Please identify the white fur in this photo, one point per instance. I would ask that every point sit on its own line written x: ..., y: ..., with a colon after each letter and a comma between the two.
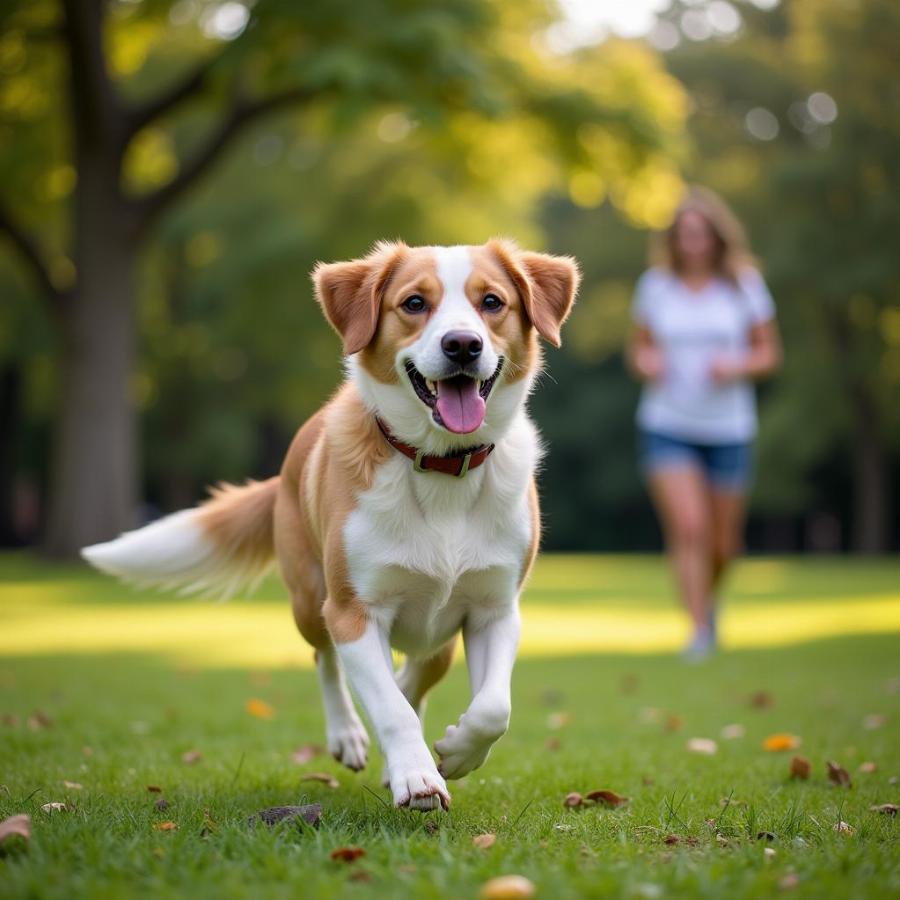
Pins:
x: 173, y: 553
x: 431, y: 554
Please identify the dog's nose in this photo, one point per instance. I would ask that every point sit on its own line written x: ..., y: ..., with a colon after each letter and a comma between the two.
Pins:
x: 461, y: 346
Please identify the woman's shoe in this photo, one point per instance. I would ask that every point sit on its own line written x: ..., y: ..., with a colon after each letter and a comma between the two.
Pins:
x: 700, y: 647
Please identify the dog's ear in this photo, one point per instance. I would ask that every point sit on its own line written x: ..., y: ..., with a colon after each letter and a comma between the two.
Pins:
x: 350, y: 293
x: 547, y: 285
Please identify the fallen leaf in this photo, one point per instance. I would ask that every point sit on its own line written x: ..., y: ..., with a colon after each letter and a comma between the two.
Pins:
x: 702, y: 745
x: 73, y: 785
x: 732, y: 732
x: 610, y: 798
x: 304, y: 754
x: 311, y: 813
x: 15, y: 826
x: 11, y: 720
x: 259, y: 708
x: 873, y: 721
x: 673, y: 839
x: 191, y: 757
x: 838, y: 775
x: 867, y: 768
x: 322, y: 777
x: 775, y: 743
x: 484, y: 841
x: 38, y: 721
x: 552, y: 744
x: 843, y: 828
x: 166, y: 826
x: 347, y: 854
x: 762, y: 700
x: 54, y: 806
x: 558, y: 720
x: 507, y: 887
x: 154, y: 788
x: 886, y: 809
x: 573, y: 799
x: 161, y: 804
x: 360, y: 875
x: 800, y: 768
x: 789, y: 882
x: 673, y: 722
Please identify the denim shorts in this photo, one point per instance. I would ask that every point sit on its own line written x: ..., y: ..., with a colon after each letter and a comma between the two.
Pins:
x: 728, y: 467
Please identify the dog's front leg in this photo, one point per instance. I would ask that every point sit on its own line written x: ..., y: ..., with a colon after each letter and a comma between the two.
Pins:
x: 490, y: 653
x: 414, y: 778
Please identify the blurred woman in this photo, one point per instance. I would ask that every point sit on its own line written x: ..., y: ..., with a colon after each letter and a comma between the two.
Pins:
x: 705, y: 330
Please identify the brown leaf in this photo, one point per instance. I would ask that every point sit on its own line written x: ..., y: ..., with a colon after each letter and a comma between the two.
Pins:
x: 55, y: 806
x: 800, y: 768
x: 868, y: 767
x: 609, y: 798
x: 11, y: 720
x: 38, y: 721
x: 484, y: 841
x: 762, y: 700
x: 322, y: 777
x: 672, y: 839
x: 191, y: 757
x: 838, y: 775
x: 15, y: 826
x: 360, y: 875
x: 347, y: 854
x: 886, y: 809
x: 507, y: 887
x: 302, y: 755
x: 673, y: 722
x: 259, y: 708
x: 311, y: 813
x: 574, y: 799
x: 154, y: 788
x: 166, y: 826
x: 552, y: 744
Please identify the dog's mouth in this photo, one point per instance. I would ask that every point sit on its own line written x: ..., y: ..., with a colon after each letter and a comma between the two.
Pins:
x: 458, y: 403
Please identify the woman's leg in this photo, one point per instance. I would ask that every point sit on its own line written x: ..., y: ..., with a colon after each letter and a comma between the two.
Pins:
x: 727, y: 506
x: 681, y: 496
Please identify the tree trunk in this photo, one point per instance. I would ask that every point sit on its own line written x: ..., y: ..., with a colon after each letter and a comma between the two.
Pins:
x: 871, y: 488
x: 10, y: 424
x: 94, y: 468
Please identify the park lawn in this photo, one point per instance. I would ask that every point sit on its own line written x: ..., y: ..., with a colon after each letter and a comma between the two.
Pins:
x: 118, y: 685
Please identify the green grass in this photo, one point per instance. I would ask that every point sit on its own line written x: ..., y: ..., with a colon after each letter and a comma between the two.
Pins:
x: 131, y: 681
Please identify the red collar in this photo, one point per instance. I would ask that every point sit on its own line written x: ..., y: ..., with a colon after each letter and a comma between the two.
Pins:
x: 457, y: 465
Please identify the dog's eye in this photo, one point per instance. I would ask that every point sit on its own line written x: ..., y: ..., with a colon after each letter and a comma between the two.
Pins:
x: 491, y: 303
x: 415, y: 304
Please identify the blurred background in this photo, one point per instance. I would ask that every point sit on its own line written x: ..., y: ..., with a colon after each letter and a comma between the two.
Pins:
x: 171, y: 171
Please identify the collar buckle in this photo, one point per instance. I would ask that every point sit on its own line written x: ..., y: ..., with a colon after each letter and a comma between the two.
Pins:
x: 464, y: 468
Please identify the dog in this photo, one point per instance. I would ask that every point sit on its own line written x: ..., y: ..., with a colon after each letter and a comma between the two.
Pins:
x: 406, y: 510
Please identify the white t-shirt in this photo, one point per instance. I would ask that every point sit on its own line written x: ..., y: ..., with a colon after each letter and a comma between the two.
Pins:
x: 692, y: 328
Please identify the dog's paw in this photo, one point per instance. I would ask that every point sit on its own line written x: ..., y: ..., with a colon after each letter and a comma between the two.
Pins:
x: 421, y: 789
x: 349, y: 745
x: 466, y: 746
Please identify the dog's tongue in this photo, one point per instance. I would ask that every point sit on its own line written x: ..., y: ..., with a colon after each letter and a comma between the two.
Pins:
x: 460, y: 405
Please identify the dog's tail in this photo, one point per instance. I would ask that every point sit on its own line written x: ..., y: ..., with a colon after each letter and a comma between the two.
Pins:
x: 222, y: 546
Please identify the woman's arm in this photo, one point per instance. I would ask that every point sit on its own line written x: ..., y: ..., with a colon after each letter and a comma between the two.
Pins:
x: 643, y: 357
x: 762, y: 359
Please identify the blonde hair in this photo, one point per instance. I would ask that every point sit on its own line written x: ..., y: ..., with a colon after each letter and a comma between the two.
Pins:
x: 731, y: 255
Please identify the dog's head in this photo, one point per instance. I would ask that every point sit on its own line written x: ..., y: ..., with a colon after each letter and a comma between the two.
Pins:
x: 443, y: 341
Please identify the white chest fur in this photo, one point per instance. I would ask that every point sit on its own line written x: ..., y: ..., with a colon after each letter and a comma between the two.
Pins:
x: 427, y: 550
